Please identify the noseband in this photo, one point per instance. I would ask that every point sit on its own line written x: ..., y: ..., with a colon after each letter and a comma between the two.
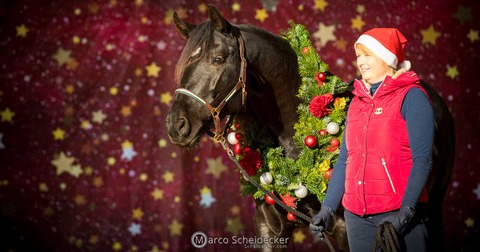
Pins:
x: 215, y: 111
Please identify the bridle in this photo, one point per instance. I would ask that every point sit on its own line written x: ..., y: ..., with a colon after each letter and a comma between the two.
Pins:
x: 220, y: 130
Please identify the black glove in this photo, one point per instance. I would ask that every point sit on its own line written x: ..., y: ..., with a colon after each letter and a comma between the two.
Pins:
x: 400, y: 219
x: 320, y: 221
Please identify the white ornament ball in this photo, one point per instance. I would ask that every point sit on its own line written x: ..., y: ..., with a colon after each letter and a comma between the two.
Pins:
x: 301, y: 192
x: 332, y: 128
x: 232, y: 139
x: 266, y: 178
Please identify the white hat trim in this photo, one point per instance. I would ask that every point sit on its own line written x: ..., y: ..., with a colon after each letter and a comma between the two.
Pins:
x: 376, y: 47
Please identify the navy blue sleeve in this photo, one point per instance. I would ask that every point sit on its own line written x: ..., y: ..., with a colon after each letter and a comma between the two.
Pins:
x: 418, y: 114
x: 336, y: 186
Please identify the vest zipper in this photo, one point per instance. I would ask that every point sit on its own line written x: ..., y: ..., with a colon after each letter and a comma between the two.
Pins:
x: 384, y: 163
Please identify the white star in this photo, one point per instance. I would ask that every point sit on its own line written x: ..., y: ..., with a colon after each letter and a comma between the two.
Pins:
x: 161, y: 45
x: 134, y: 229
x: 207, y: 200
x: 477, y: 191
x: 128, y: 153
x: 325, y: 34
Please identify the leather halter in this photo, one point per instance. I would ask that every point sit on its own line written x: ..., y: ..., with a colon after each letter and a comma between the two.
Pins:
x: 215, y: 111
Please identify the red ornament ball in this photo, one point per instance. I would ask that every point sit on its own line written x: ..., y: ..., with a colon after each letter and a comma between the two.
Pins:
x: 238, y: 136
x: 237, y: 149
x: 237, y: 126
x: 321, y: 76
x: 334, y: 142
x: 311, y: 141
x: 305, y: 50
x: 323, y: 132
x: 328, y: 174
x: 291, y: 216
x: 269, y: 200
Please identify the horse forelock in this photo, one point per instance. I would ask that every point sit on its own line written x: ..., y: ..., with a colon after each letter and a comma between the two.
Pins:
x: 199, y: 42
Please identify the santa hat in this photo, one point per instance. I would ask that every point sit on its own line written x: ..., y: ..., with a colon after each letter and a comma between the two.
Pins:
x: 388, y: 44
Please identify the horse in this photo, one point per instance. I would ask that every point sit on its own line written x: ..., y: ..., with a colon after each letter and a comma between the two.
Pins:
x: 244, y: 71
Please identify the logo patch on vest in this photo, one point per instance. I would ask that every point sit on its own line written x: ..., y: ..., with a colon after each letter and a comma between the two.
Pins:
x: 378, y: 111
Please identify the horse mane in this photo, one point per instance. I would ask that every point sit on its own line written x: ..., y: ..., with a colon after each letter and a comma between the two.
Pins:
x: 201, y: 36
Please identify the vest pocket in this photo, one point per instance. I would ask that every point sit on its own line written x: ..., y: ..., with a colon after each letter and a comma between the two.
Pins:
x: 384, y: 163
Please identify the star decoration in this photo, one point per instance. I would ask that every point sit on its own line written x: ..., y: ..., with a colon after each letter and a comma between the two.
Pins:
x: 97, y: 181
x: 360, y: 8
x: 430, y: 35
x: 175, y: 228
x: 469, y: 222
x: 58, y: 134
x: 62, y: 56
x: 235, y: 210
x: 63, y: 163
x: 341, y: 44
x: 298, y: 236
x: 98, y: 116
x: 113, y: 90
x: 235, y: 7
x: 215, y: 167
x: 137, y: 213
x: 2, y: 146
x: 320, y: 4
x: 152, y: 70
x: 325, y: 34
x: 42, y: 187
x: 203, y: 7
x: 86, y: 125
x: 22, y: 31
x: 162, y: 143
x: 128, y: 153
x: 76, y: 170
x: 261, y: 15
x: 7, y: 115
x: 134, y: 229
x: 207, y: 200
x: 157, y: 194
x: 477, y: 191
x: 126, y: 111
x: 166, y: 98
x: 472, y: 35
x: 168, y: 177
x: 117, y: 246
x: 357, y: 23
x: 80, y: 200
x: 463, y: 14
x: 234, y: 225
x: 452, y: 72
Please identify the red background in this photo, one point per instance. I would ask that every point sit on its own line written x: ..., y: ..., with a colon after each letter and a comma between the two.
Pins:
x: 65, y: 65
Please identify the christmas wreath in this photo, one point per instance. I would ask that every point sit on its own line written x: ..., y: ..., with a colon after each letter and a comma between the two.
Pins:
x: 318, y: 133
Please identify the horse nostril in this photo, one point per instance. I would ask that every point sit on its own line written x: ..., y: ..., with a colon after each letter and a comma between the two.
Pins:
x: 183, y: 126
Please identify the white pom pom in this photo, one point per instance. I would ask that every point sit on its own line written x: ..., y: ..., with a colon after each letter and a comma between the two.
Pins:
x: 266, y: 178
x: 406, y: 64
x: 332, y: 128
x: 231, y: 138
x: 301, y: 192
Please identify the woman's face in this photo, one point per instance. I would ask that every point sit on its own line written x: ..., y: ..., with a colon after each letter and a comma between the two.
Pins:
x: 372, y: 68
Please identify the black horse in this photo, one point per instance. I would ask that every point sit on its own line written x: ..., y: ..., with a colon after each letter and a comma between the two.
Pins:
x: 221, y: 63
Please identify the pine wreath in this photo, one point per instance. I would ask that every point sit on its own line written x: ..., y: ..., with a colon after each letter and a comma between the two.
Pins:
x: 318, y: 132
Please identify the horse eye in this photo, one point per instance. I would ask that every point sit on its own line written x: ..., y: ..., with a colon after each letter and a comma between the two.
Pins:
x: 218, y: 60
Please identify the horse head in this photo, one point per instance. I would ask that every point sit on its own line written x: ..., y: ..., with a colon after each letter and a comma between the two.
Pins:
x: 210, y: 74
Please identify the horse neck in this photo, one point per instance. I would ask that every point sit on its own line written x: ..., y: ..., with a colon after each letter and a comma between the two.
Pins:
x: 272, y: 84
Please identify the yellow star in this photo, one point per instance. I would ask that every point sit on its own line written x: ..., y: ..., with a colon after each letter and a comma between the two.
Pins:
x: 261, y: 15
x: 452, y: 72
x: 155, y: 249
x: 22, y: 31
x: 80, y: 199
x: 113, y: 91
x: 42, y: 187
x: 166, y: 98
x: 215, y: 167
x: 357, y: 23
x: 72, y: 64
x: 168, y: 17
x: 76, y: 39
x: 205, y: 190
x: 58, y: 134
x: 320, y: 5
x: 469, y: 222
x: 126, y: 144
x: 153, y: 69
x: 325, y: 34
x: 97, y: 181
x: 162, y: 143
x: 93, y: 239
x: 234, y: 225
x: 360, y: 8
x: 430, y: 35
x: 111, y: 161
x: 93, y: 8
x: 88, y: 170
x: 157, y: 194
x: 137, y: 213
x: 143, y: 177
x: 86, y: 125
x: 63, y: 163
x: 473, y: 35
x: 76, y: 170
x: 168, y: 177
x: 175, y: 228
x: 62, y: 56
x: 235, y: 7
x: 298, y: 236
x: 341, y: 44
x: 235, y: 210
x: 203, y: 7
x: 117, y: 246
x: 126, y: 111
x: 98, y: 116
x: 7, y: 115
x: 70, y: 89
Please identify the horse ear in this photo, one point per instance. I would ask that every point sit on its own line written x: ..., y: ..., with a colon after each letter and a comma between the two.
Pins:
x: 184, y: 28
x: 221, y: 24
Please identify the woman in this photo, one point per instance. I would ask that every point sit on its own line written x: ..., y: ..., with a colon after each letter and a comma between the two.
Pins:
x: 386, y: 152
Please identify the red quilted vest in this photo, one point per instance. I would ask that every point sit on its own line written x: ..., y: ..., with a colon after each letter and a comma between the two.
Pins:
x: 379, y: 156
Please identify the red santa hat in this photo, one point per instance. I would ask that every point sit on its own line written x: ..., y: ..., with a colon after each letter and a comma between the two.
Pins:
x: 388, y: 44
